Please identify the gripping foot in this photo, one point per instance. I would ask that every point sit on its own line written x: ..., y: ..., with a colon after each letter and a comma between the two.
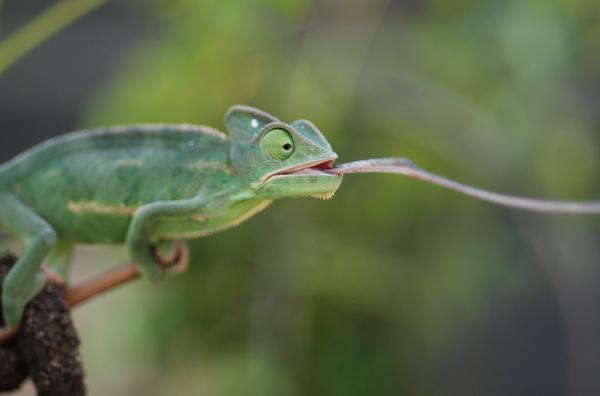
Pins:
x: 177, y: 261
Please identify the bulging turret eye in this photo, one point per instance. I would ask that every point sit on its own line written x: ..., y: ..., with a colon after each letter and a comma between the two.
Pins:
x: 277, y: 144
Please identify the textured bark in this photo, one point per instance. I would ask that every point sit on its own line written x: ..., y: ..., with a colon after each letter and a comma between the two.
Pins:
x: 45, y: 348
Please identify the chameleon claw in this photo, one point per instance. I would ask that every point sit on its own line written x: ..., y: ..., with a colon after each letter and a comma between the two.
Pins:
x: 182, y: 254
x: 177, y: 262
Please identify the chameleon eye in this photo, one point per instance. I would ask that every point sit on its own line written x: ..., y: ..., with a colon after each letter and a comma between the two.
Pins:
x: 277, y: 144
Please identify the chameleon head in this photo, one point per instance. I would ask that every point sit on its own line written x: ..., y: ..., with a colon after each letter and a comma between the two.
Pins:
x: 280, y: 160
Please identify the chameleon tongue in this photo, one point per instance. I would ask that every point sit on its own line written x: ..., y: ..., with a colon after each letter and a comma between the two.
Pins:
x: 406, y: 167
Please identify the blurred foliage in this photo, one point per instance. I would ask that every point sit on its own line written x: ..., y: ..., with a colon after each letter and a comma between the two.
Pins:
x: 370, y: 293
x: 41, y: 28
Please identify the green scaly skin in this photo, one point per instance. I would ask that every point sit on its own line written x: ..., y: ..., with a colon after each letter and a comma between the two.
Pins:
x: 143, y: 184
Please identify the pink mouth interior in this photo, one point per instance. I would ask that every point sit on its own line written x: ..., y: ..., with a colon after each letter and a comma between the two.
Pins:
x: 325, y: 165
x: 317, y: 168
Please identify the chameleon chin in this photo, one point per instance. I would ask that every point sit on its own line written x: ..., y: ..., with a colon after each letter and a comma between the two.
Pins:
x: 142, y: 185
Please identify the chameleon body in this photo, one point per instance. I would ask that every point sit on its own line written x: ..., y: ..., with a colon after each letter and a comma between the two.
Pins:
x: 143, y: 184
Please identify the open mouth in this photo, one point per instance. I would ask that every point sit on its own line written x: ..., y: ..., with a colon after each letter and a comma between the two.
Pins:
x: 311, y: 168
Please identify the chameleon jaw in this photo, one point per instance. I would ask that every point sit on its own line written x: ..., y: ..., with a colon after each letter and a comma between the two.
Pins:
x: 307, y: 180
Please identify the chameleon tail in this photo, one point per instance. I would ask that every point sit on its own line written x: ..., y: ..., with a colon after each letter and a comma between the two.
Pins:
x: 406, y: 167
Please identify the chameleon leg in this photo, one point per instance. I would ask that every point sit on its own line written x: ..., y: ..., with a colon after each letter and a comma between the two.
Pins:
x: 141, y: 248
x: 59, y: 260
x: 24, y: 280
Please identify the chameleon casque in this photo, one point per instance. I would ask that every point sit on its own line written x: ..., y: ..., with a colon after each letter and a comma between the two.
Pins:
x: 145, y: 184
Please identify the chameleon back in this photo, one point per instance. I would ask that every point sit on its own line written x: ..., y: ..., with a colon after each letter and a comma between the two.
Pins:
x: 88, y: 184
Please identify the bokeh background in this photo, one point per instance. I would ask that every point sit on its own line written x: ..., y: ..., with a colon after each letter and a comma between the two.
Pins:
x: 393, y: 287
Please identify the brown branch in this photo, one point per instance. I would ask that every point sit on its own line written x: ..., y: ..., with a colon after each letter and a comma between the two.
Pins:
x: 109, y: 280
x: 100, y: 283
x: 87, y: 289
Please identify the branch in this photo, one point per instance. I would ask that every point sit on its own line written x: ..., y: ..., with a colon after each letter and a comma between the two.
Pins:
x: 106, y: 281
x: 110, y: 280
x: 87, y: 289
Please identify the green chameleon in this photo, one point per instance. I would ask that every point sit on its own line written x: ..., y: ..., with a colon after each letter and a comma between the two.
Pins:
x: 143, y: 185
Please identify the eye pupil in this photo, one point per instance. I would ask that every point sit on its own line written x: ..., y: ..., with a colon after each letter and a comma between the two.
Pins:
x: 277, y: 144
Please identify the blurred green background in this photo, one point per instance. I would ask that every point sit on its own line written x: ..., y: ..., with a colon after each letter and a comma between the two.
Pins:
x: 393, y: 287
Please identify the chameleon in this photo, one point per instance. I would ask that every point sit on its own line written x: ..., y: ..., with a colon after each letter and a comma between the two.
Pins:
x: 145, y: 185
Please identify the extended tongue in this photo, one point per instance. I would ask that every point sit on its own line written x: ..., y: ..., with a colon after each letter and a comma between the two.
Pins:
x: 406, y: 167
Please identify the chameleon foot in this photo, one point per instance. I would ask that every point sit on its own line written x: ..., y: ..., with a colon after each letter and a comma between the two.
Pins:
x: 177, y: 261
x: 14, y: 301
